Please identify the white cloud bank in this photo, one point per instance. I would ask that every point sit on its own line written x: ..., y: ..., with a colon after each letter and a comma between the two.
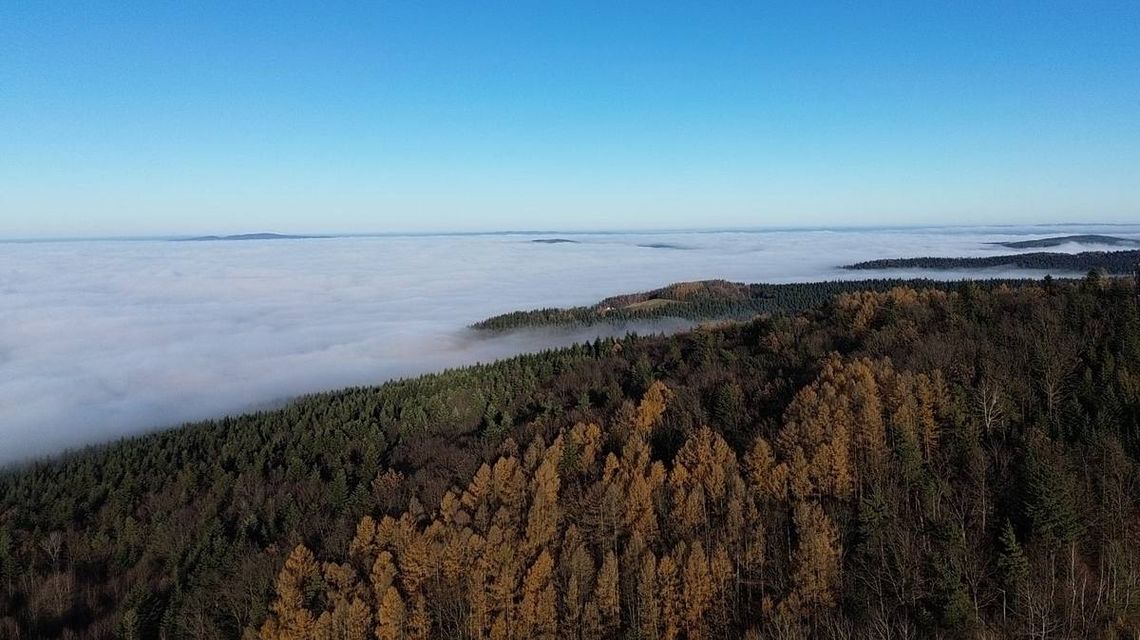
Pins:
x: 107, y: 338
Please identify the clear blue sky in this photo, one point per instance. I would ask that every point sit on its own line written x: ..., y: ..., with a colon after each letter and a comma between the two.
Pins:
x: 186, y: 117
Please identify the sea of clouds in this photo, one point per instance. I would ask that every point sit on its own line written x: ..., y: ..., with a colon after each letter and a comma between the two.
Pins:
x: 101, y: 339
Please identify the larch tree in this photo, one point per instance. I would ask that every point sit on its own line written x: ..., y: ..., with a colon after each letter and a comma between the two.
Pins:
x: 347, y: 621
x: 607, y: 594
x: 543, y: 518
x: 815, y: 574
x: 697, y: 590
x: 571, y: 627
x: 672, y: 609
x: 419, y: 619
x: 537, y: 612
x: 652, y: 407
x: 415, y: 563
x: 391, y: 616
x: 291, y: 619
x: 648, y: 610
x: 383, y: 575
x: 363, y: 548
x: 722, y: 571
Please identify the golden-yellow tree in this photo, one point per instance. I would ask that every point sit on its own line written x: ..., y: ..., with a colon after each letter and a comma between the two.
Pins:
x: 537, y: 612
x: 289, y: 618
x: 391, y: 616
x: 648, y: 610
x: 607, y: 595
x: 669, y: 589
x: 816, y: 570
x: 697, y: 591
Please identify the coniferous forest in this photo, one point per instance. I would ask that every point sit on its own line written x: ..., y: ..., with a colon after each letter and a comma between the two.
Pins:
x: 1114, y: 262
x: 897, y: 463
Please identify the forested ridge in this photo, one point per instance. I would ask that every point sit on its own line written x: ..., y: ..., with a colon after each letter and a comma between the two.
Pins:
x: 705, y: 300
x: 1055, y: 241
x: 898, y: 463
x: 1112, y: 262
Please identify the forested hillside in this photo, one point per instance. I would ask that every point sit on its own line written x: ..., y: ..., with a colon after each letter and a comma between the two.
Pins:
x: 901, y: 463
x: 705, y: 300
x: 1112, y: 262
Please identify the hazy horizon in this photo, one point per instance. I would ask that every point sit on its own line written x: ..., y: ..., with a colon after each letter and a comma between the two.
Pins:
x: 1038, y: 228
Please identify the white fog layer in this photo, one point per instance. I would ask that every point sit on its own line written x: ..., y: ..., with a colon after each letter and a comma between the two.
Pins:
x: 100, y: 339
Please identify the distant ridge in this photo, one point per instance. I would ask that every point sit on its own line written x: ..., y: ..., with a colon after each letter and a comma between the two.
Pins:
x: 661, y: 245
x: 554, y: 241
x: 1113, y: 262
x: 1057, y: 241
x: 248, y: 236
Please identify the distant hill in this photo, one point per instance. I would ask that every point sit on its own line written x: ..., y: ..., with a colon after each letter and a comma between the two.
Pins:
x: 1113, y: 262
x: 248, y: 236
x: 661, y: 245
x: 1042, y: 243
x: 554, y: 241
x: 703, y: 301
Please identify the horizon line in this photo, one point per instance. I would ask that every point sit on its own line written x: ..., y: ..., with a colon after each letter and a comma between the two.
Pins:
x: 506, y: 232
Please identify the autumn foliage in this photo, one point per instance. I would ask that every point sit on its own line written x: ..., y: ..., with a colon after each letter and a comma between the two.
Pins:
x: 611, y: 541
x: 954, y: 462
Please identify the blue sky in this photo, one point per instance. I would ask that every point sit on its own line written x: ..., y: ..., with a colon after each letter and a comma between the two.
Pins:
x: 177, y: 117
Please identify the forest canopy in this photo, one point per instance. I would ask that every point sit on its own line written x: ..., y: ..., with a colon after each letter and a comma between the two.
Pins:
x: 909, y: 462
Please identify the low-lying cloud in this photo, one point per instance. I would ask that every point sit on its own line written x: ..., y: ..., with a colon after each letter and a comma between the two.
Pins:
x: 102, y: 339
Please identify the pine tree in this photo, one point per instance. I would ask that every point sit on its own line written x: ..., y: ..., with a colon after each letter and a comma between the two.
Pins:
x: 728, y: 406
x: 1012, y: 565
x: 1050, y: 503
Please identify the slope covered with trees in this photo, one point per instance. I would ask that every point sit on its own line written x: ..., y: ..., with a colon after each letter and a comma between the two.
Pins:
x: 1112, y: 262
x: 901, y: 463
x: 704, y: 300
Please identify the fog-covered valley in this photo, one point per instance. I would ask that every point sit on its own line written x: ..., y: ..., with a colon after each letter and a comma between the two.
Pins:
x: 100, y: 339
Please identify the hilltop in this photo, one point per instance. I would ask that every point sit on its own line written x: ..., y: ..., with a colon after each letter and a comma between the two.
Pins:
x: 1057, y: 241
x: 700, y: 301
